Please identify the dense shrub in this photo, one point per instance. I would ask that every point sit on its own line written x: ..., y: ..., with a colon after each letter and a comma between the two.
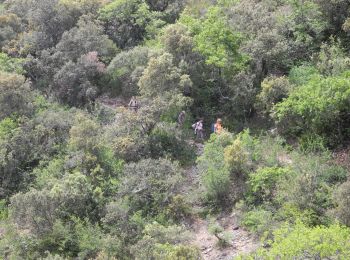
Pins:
x: 160, y: 242
x: 101, y: 181
x: 235, y: 157
x: 38, y: 210
x: 225, y: 164
x: 178, y: 252
x: 33, y: 141
x: 318, y: 107
x: 163, y: 142
x: 16, y: 96
x: 149, y: 185
x: 273, y: 91
x: 310, y: 185
x: 215, y: 173
x: 11, y: 65
x: 342, y: 202
x: 301, y: 75
x: 332, y: 59
x: 258, y: 220
x: 262, y: 183
x: 303, y: 242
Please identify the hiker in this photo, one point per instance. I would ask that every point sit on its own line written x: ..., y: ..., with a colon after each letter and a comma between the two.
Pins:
x: 198, y: 129
x: 181, y: 119
x: 133, y: 104
x: 218, y: 126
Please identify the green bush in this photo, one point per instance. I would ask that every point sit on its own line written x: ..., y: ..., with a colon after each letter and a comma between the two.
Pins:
x: 341, y: 200
x: 3, y: 210
x: 178, y: 209
x: 13, y: 65
x: 163, y: 142
x: 263, y: 182
x: 291, y: 213
x: 302, y: 242
x: 333, y: 59
x: 178, y: 252
x: 225, y: 164
x: 150, y: 185
x: 273, y: 91
x: 215, y: 175
x: 258, y: 220
x: 310, y: 185
x: 7, y: 125
x: 236, y: 157
x: 301, y: 75
x: 318, y: 107
x: 224, y: 237
x: 311, y: 143
x: 159, y: 240
x: 89, y: 239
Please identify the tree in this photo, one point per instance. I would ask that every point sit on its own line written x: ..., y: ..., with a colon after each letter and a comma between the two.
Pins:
x: 89, y: 36
x: 34, y: 210
x: 273, y: 90
x: 127, y: 21
x: 126, y: 69
x: 16, y: 96
x: 46, y: 21
x: 149, y: 185
x: 304, y: 23
x: 335, y: 12
x: 9, y: 29
x: 161, y: 76
x: 31, y: 142
x: 178, y: 42
x: 74, y: 83
x: 170, y: 9
x: 218, y: 44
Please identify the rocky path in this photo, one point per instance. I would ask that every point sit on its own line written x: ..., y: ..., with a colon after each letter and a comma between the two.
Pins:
x: 242, y: 242
x: 112, y: 103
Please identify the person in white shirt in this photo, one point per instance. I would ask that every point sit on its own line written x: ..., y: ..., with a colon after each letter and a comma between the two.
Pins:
x: 198, y: 129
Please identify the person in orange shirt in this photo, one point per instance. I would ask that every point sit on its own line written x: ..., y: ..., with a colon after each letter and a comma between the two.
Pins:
x: 218, y: 126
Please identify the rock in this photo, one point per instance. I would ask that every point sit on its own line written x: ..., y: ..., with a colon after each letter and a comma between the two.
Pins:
x: 208, y: 250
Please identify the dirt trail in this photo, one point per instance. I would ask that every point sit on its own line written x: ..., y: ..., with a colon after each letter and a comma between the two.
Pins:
x: 112, y: 103
x: 242, y: 242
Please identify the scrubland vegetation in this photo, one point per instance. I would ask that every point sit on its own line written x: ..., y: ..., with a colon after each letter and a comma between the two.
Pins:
x: 81, y: 178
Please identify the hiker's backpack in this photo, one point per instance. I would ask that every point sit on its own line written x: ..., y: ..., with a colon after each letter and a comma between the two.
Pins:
x: 212, y: 127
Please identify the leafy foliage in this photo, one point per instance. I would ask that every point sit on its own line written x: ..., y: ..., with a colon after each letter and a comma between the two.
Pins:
x: 82, y: 176
x: 128, y: 22
x: 15, y: 97
x: 263, y: 182
x: 149, y: 185
x: 217, y: 43
x: 273, y: 91
x: 12, y: 65
x: 317, y: 107
x: 301, y: 241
